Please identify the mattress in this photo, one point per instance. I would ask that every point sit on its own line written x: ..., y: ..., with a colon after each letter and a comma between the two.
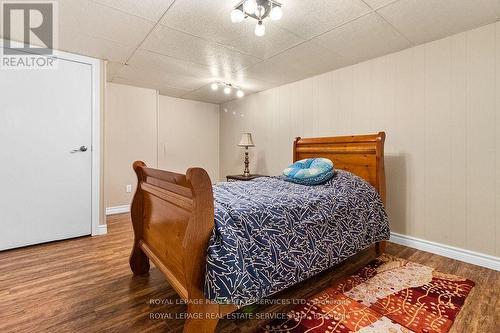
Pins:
x: 270, y: 234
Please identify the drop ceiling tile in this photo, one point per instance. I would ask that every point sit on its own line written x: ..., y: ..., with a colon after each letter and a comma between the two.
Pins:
x: 365, y: 38
x: 274, y: 71
x: 100, y: 21
x: 73, y: 13
x: 303, y: 61
x: 173, y: 92
x: 210, y: 19
x: 248, y: 84
x: 375, y: 4
x: 149, y: 9
x: 197, y: 43
x: 157, y: 80
x: 171, y: 72
x: 164, y: 90
x: 161, y: 63
x: 311, y: 59
x: 112, y: 69
x: 206, y: 94
x: 422, y: 21
x: 136, y: 83
x: 311, y: 18
x: 187, y: 47
x: 273, y: 42
x: 71, y: 40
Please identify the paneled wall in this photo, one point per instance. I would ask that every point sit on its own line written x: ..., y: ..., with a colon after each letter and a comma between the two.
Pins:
x: 169, y: 133
x: 188, y: 136
x: 439, y: 104
x: 130, y: 134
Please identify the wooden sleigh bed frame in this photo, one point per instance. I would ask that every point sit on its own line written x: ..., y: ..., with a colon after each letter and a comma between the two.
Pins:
x: 173, y: 218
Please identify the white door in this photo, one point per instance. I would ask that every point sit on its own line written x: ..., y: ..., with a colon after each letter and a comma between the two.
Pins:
x: 45, y: 180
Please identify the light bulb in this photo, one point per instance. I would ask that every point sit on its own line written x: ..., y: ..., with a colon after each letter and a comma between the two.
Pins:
x: 214, y: 86
x: 237, y: 16
x: 227, y: 90
x: 260, y: 29
x: 249, y: 6
x: 240, y: 93
x: 276, y: 13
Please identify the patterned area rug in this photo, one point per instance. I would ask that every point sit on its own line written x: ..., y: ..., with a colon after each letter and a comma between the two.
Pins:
x: 387, y: 295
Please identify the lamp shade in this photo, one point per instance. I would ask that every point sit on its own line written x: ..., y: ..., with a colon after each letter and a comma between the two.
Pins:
x: 246, y: 140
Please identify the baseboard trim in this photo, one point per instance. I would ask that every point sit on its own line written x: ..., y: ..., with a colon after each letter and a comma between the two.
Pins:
x: 117, y: 210
x: 452, y: 252
x: 102, y: 229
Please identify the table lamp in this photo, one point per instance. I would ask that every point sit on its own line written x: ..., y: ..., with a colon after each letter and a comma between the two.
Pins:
x: 246, y: 141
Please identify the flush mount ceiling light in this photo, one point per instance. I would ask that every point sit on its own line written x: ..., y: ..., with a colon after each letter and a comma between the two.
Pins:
x: 227, y: 88
x: 259, y: 10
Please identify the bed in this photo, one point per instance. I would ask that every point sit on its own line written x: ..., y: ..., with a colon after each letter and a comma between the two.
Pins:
x: 183, y: 230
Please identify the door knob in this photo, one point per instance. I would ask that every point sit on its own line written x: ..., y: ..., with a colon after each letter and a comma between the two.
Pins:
x: 81, y: 149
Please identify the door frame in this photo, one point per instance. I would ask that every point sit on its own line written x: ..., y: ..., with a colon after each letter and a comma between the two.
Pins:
x: 97, y: 77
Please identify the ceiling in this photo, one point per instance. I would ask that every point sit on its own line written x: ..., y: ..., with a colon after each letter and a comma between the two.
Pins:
x: 180, y: 46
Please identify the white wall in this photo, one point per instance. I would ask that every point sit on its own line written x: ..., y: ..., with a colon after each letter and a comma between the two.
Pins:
x: 188, y: 136
x: 130, y: 133
x: 164, y: 132
x: 439, y: 104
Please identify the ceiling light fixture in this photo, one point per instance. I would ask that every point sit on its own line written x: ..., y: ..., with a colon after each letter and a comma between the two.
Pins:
x: 237, y: 16
x: 260, y: 29
x: 250, y: 6
x: 276, y: 13
x: 227, y: 88
x: 259, y: 10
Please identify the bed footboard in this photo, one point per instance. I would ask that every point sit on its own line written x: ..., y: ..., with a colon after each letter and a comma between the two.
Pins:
x: 173, y: 218
x: 380, y: 247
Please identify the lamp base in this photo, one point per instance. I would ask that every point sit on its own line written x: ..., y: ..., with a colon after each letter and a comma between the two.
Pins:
x: 246, y: 172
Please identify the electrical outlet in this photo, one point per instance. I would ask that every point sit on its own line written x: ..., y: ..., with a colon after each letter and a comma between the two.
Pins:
x: 129, y: 188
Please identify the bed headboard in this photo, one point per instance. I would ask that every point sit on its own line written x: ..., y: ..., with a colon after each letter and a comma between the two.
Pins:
x: 362, y: 155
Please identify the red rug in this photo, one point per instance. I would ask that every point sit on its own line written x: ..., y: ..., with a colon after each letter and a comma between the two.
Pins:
x: 387, y: 295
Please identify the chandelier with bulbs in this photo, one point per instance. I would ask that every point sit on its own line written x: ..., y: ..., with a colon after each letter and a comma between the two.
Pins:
x: 259, y: 10
x: 227, y: 88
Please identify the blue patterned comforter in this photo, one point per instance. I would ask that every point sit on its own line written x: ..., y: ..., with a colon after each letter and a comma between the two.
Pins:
x: 270, y: 234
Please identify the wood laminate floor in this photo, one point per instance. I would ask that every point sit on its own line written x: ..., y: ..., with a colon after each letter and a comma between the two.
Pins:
x: 85, y: 285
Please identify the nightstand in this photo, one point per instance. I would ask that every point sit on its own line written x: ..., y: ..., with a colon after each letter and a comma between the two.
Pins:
x: 235, y: 178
